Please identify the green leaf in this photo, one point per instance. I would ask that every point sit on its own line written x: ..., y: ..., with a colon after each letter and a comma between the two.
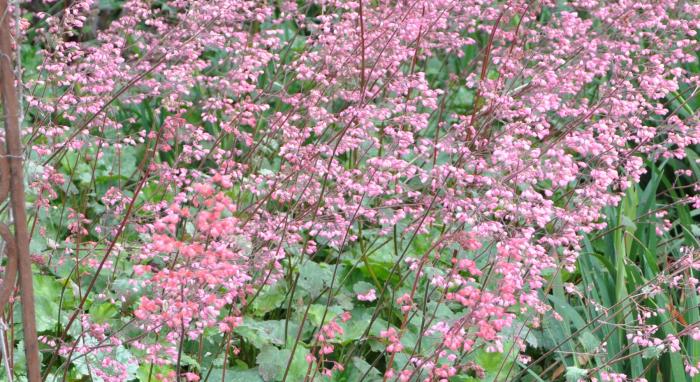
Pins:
x: 651, y: 352
x: 628, y: 223
x: 362, y: 287
x: 20, y: 360
x: 360, y: 368
x: 316, y: 312
x: 146, y: 374
x: 574, y: 374
x: 356, y: 326
x: 463, y: 378
x: 102, y: 312
x: 83, y: 363
x: 463, y: 99
x: 263, y: 333
x: 269, y: 299
x: 272, y: 363
x: 493, y: 362
x: 47, y: 293
x: 110, y: 4
x: 313, y: 277
x: 235, y: 375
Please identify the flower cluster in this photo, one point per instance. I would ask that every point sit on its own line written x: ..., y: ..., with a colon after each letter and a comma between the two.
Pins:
x: 239, y: 140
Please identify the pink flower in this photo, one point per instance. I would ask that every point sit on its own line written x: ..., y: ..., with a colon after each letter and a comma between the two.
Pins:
x: 371, y: 295
x: 191, y: 377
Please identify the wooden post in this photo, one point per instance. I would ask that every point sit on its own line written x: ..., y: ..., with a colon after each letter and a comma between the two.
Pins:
x: 14, y: 156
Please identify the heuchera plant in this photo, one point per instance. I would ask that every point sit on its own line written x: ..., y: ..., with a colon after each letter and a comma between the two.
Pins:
x: 407, y: 176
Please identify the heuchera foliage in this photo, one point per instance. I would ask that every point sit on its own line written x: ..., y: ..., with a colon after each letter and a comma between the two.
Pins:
x: 244, y: 146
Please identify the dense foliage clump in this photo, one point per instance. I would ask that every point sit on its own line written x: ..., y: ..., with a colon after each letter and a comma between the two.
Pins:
x: 412, y: 190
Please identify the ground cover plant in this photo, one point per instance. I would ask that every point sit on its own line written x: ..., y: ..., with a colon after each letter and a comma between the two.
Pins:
x: 369, y: 190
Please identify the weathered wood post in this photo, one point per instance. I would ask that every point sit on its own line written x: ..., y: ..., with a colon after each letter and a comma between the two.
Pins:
x: 16, y: 189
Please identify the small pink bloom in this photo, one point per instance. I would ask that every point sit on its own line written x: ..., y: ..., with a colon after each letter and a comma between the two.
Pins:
x: 371, y: 295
